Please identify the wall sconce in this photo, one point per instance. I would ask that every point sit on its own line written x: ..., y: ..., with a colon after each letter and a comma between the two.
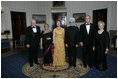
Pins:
x: 7, y: 32
x: 2, y: 9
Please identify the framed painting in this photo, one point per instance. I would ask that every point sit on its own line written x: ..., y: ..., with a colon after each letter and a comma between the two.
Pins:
x: 79, y: 17
x: 40, y: 19
x: 58, y: 4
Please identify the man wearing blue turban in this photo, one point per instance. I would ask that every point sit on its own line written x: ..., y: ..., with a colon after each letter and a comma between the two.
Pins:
x: 72, y: 41
x: 71, y: 19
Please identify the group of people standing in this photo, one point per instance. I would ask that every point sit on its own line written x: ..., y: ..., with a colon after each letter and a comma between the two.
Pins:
x: 94, y: 43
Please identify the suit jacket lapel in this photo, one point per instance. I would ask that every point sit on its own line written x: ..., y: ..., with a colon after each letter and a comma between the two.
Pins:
x: 37, y: 29
x: 90, y: 28
x: 31, y: 29
x: 85, y: 29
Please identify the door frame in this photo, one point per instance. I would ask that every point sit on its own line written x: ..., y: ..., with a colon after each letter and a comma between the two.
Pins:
x: 58, y: 12
x: 106, y: 26
x: 18, y: 10
x: 108, y: 15
x: 13, y: 43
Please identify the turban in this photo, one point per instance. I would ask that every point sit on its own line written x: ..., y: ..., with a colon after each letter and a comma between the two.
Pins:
x: 71, y: 19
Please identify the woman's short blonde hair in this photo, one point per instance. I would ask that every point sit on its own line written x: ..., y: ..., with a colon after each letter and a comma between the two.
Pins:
x: 101, y: 22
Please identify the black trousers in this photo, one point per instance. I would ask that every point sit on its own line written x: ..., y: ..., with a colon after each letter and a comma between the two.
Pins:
x: 72, y: 56
x: 33, y: 54
x: 88, y: 55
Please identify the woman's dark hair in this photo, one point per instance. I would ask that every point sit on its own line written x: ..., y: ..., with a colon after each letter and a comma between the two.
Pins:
x: 59, y: 21
x: 55, y: 24
x: 45, y: 25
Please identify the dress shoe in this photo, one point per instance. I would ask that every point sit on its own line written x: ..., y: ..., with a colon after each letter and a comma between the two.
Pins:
x: 90, y: 66
x: 37, y: 63
x: 31, y: 65
x: 74, y: 65
x: 85, y: 66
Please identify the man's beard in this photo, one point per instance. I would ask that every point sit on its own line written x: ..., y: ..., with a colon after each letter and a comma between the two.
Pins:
x: 72, y: 24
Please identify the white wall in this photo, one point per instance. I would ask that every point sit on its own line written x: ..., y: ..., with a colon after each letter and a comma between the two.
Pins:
x: 113, y: 16
x: 30, y: 7
x: 88, y: 7
x: 44, y: 7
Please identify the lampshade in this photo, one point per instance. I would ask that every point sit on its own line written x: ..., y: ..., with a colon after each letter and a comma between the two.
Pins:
x: 2, y: 9
x: 7, y: 32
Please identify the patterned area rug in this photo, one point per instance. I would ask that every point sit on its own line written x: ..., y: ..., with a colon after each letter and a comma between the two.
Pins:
x: 40, y: 71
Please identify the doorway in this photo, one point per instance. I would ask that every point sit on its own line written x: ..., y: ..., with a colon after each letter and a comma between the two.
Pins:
x: 100, y: 15
x: 18, y: 20
x: 59, y: 16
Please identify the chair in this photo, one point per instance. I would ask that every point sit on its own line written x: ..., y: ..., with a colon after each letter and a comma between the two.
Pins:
x: 113, y: 39
x: 20, y: 43
x: 5, y: 45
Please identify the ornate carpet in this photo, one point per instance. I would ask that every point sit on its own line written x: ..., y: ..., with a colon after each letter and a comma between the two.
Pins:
x: 40, y: 71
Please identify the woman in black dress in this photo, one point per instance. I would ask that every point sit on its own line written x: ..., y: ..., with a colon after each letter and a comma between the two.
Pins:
x: 46, y: 44
x: 101, y: 47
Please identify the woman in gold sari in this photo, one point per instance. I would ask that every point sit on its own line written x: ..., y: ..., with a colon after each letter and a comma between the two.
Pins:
x: 59, y: 49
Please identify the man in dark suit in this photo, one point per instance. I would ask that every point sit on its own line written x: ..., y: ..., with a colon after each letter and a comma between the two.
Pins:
x: 72, y: 41
x: 87, y: 33
x: 32, y: 42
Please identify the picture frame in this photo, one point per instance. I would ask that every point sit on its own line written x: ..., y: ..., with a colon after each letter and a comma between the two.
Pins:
x: 58, y: 4
x: 40, y: 18
x: 79, y: 17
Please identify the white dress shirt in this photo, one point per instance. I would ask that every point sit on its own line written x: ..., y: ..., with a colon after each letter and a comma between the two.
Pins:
x: 34, y: 29
x: 88, y: 28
